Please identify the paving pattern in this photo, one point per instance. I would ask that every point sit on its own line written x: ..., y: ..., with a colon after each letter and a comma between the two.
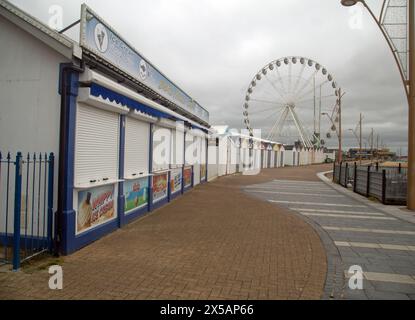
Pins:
x: 354, y: 234
x: 215, y: 242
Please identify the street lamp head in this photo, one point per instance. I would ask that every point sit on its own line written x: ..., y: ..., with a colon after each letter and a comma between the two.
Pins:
x: 349, y: 3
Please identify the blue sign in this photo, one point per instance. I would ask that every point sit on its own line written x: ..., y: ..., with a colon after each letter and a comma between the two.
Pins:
x: 99, y: 38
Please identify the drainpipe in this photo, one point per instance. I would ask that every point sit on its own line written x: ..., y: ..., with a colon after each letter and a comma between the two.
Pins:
x: 63, y: 88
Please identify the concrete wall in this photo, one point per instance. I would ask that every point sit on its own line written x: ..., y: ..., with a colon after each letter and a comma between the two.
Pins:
x: 29, y: 99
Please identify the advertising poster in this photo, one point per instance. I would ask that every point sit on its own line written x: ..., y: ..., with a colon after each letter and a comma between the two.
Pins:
x: 95, y: 206
x: 203, y: 172
x: 136, y: 194
x: 176, y: 181
x: 160, y: 187
x: 187, y: 177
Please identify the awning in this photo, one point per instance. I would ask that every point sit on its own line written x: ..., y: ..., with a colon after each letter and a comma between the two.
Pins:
x: 100, y: 91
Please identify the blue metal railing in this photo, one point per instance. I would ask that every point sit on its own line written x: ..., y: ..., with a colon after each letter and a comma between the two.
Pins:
x: 26, y: 227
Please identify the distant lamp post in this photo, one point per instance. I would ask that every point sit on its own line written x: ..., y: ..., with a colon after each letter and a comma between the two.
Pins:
x: 405, y: 59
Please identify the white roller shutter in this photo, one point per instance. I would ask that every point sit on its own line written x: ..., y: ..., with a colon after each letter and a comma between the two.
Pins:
x: 177, y: 148
x: 161, y: 158
x: 189, y: 148
x: 137, y: 140
x: 97, y: 140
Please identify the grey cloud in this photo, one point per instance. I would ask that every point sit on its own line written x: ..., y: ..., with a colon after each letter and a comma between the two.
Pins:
x: 213, y: 48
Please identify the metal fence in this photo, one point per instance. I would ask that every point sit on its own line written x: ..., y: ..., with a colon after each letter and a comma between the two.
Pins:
x: 26, y: 206
x: 387, y: 184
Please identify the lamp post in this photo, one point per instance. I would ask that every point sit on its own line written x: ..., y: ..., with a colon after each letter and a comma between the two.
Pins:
x: 339, y: 152
x: 408, y: 85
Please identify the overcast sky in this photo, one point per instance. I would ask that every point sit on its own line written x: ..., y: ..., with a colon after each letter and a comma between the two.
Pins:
x: 213, y: 48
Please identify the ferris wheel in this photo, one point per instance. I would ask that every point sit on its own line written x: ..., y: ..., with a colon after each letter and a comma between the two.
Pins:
x: 286, y: 100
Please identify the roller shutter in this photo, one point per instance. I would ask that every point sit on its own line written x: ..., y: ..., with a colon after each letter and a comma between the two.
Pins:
x: 161, y: 148
x: 97, y: 141
x: 137, y: 140
x: 177, y: 148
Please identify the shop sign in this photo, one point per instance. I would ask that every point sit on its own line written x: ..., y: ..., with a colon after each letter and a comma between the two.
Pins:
x: 95, y: 207
x: 136, y: 194
x: 98, y: 38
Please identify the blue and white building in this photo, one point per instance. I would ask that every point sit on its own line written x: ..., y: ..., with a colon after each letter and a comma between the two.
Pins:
x: 126, y: 139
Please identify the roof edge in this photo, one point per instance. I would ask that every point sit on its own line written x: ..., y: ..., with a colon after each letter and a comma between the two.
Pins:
x: 38, y: 29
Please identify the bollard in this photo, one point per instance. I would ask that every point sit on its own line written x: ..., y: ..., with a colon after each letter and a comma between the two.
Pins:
x: 355, y: 178
x: 346, y: 175
x: 384, y: 186
x: 368, y: 181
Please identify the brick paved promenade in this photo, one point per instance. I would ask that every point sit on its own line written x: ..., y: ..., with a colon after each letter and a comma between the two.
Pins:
x: 213, y: 243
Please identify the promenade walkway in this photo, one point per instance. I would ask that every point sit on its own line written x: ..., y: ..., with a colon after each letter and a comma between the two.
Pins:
x: 358, y: 235
x: 215, y: 242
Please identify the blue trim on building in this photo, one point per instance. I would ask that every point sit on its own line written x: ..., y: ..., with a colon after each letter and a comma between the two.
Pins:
x: 200, y: 128
x: 168, y: 186
x: 70, y: 241
x: 150, y: 169
x: 98, y: 90
x: 121, y: 157
x: 93, y: 234
x: 176, y: 194
x: 133, y: 215
x: 68, y: 218
x: 159, y: 204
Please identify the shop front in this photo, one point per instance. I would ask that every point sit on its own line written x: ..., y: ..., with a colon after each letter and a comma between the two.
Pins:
x: 125, y: 152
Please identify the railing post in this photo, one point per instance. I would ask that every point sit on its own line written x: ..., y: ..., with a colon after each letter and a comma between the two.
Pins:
x: 340, y: 172
x: 384, y: 186
x: 400, y: 168
x: 17, y: 209
x: 346, y: 174
x: 368, y: 181
x: 334, y: 169
x: 355, y: 178
x: 50, y: 200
